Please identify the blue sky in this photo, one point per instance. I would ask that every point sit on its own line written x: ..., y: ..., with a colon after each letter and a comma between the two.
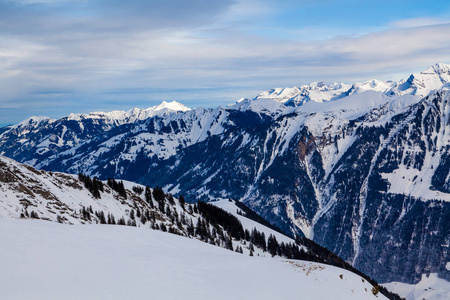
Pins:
x: 58, y: 57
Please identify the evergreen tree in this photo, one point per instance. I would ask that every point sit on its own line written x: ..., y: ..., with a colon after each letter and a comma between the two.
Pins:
x: 158, y: 194
x: 170, y: 199
x: 272, y: 245
x: 138, y: 212
x: 148, y: 196
x: 182, y: 201
x: 121, y: 221
x: 247, y: 235
x: 121, y: 190
x: 190, y: 228
x: 229, y: 244
x: 101, y: 216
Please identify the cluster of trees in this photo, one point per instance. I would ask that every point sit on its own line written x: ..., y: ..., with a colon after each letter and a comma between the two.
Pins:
x: 117, y: 186
x: 94, y: 185
x: 87, y: 213
x: 218, y: 217
x: 256, y: 238
x: 32, y: 215
x: 138, y: 189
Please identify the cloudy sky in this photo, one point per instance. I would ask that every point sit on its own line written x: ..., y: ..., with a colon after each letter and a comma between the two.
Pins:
x: 59, y: 56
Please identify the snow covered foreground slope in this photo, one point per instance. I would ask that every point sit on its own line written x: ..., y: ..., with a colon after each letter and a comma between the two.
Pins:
x: 46, y: 260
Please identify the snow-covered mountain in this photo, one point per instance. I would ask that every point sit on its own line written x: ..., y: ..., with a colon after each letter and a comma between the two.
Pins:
x: 362, y: 169
x: 420, y: 84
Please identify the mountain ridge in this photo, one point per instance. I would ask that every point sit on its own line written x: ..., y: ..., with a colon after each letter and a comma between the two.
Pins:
x: 331, y: 170
x: 420, y: 84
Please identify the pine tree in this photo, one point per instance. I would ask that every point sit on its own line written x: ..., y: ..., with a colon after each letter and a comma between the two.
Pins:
x: 229, y: 244
x: 138, y: 212
x: 121, y: 221
x: 182, y: 201
x: 272, y: 245
x: 101, y: 216
x: 121, y: 190
x: 158, y: 194
x: 170, y: 199
x: 148, y: 196
x: 190, y: 228
x: 247, y: 235
x: 143, y: 219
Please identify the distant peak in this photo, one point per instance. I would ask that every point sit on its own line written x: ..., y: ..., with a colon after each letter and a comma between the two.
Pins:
x: 174, y: 105
x: 441, y: 68
x: 438, y: 68
x: 34, y: 120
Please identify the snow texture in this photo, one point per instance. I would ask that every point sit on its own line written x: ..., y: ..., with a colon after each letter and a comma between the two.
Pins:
x: 430, y: 287
x: 47, y: 260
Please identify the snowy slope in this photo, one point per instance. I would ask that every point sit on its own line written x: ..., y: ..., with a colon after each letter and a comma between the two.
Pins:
x: 296, y: 96
x: 430, y: 287
x: 249, y: 224
x: 46, y: 260
x: 24, y: 189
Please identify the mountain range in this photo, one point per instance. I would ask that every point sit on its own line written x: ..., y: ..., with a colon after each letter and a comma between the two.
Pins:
x: 361, y: 169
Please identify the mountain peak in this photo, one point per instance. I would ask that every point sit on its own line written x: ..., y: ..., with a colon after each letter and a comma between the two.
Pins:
x: 174, y: 105
x: 421, y: 84
x: 439, y: 68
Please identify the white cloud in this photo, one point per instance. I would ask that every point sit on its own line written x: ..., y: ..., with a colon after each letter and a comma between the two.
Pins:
x: 419, y: 22
x: 92, y: 56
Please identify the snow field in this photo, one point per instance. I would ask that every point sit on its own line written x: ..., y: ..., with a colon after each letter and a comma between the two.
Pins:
x: 47, y: 260
x: 430, y: 287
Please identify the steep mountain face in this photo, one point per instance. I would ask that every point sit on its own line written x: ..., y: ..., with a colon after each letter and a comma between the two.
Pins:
x: 394, y: 200
x: 365, y: 175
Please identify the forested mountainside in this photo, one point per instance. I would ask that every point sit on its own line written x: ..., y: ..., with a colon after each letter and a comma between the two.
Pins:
x: 365, y: 173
